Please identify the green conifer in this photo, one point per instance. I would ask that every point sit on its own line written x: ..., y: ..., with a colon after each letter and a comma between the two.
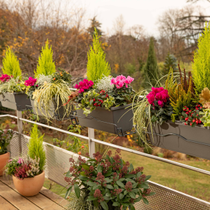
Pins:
x: 45, y: 65
x: 97, y: 66
x: 201, y: 65
x: 151, y: 72
x: 36, y: 148
x: 170, y: 62
x: 11, y: 64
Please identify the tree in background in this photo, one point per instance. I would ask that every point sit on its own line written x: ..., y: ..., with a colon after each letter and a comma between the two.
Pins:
x: 151, y: 72
x: 170, y: 62
x: 95, y: 25
x: 97, y: 66
x: 46, y: 65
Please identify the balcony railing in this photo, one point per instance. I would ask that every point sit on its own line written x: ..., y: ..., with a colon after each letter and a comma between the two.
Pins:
x: 58, y: 163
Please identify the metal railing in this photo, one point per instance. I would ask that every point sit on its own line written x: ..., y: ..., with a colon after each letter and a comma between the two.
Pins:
x: 58, y: 164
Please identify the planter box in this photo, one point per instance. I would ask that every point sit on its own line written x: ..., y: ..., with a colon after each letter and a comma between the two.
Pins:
x: 118, y: 120
x: 16, y: 101
x: 53, y: 111
x: 182, y: 138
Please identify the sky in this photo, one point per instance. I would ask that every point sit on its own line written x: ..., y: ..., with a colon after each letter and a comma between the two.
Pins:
x: 134, y: 12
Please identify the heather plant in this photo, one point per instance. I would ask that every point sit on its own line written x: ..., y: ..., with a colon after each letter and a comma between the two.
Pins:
x: 108, y: 183
x: 104, y: 84
x: 23, y: 167
x: 201, y: 64
x: 36, y: 147
x: 97, y: 66
x: 11, y: 64
x: 46, y: 65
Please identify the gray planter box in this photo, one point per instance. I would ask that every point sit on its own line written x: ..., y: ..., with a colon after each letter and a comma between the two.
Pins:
x: 118, y: 120
x: 16, y: 101
x: 182, y: 138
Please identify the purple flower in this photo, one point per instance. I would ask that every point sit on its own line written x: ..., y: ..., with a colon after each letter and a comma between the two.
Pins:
x: 20, y: 160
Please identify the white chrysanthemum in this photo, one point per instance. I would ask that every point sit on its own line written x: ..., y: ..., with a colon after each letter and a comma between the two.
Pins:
x: 42, y: 79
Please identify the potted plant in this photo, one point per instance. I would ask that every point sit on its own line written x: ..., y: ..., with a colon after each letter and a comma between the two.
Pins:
x: 50, y: 89
x: 102, y: 101
x: 28, y: 172
x: 176, y: 115
x: 106, y: 183
x: 12, y: 89
x: 5, y: 137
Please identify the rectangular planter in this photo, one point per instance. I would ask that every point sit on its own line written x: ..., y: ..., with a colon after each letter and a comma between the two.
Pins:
x: 118, y: 120
x: 182, y: 138
x: 53, y: 111
x: 15, y: 101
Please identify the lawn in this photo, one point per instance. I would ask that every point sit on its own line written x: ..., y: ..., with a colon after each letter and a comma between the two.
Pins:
x: 184, y: 180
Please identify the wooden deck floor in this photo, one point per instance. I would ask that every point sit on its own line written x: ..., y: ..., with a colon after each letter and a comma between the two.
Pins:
x: 10, y: 199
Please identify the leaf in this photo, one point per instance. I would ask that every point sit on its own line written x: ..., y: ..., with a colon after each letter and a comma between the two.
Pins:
x: 91, y: 198
x: 99, y: 168
x: 130, y: 176
x: 132, y: 194
x: 145, y: 201
x: 132, y: 207
x: 148, y: 177
x: 68, y: 174
x: 121, y: 196
x: 104, y: 205
x: 86, y: 167
x: 108, y: 180
x: 77, y: 190
x: 91, y: 183
x: 109, y: 187
x: 83, y: 178
x: 116, y: 204
x: 119, y: 183
x: 152, y: 193
x: 144, y: 185
x: 68, y: 191
x: 137, y: 199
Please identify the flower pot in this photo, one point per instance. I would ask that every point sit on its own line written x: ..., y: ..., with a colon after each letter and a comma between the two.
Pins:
x: 16, y: 101
x: 3, y: 161
x: 182, y: 138
x: 118, y: 120
x: 29, y: 186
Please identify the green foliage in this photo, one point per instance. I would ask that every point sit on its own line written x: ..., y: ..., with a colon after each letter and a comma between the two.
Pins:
x: 13, y: 85
x: 151, y: 72
x: 5, y: 138
x: 130, y: 69
x: 45, y: 66
x: 11, y: 64
x: 36, y: 148
x: 94, y: 27
x: 61, y: 74
x: 108, y: 182
x: 201, y: 65
x: 97, y: 67
x: 181, y: 94
x: 11, y: 167
x: 170, y: 62
x: 205, y: 117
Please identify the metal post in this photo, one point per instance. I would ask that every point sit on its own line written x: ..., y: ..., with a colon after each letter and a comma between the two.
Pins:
x: 20, y: 130
x: 91, y: 135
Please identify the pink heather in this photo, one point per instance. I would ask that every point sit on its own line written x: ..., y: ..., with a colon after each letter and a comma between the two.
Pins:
x: 158, y: 94
x: 121, y: 80
x: 30, y: 82
x: 84, y: 85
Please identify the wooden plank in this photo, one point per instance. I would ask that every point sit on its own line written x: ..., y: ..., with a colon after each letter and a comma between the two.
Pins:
x: 6, y: 205
x: 16, y: 199
x: 56, y: 198
x: 41, y: 200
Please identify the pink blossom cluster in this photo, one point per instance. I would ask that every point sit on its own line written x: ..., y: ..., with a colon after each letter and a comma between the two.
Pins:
x: 121, y: 80
x: 5, y: 77
x: 158, y: 94
x: 84, y: 85
x: 30, y: 82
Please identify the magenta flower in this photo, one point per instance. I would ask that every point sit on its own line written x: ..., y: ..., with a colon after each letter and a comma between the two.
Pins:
x: 5, y: 77
x: 84, y: 85
x: 20, y: 160
x: 30, y: 82
x: 158, y: 94
x: 121, y: 81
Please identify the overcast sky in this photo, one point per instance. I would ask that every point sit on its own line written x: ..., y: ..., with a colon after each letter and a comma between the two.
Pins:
x: 135, y: 12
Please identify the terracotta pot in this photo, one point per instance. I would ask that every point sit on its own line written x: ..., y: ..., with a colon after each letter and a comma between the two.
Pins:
x: 29, y: 186
x: 3, y: 161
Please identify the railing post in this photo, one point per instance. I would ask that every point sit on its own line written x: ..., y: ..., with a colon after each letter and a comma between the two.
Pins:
x: 20, y: 130
x: 91, y: 135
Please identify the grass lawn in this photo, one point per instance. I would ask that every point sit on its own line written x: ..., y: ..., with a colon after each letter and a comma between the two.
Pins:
x: 184, y: 180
